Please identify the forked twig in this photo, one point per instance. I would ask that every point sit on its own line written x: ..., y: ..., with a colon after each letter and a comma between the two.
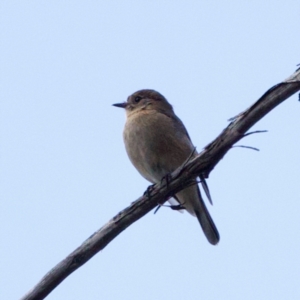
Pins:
x: 247, y: 147
x: 203, y: 163
x: 257, y: 131
x: 205, y: 188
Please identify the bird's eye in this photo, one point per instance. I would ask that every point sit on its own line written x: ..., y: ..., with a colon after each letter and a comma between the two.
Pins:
x: 137, y: 99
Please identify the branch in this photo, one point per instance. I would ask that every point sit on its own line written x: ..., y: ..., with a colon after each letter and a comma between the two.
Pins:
x: 201, y: 165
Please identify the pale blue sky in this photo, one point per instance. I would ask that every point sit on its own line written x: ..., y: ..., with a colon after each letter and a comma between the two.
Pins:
x: 63, y: 167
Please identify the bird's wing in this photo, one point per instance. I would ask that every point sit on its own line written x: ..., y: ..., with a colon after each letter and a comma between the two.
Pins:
x: 175, y: 119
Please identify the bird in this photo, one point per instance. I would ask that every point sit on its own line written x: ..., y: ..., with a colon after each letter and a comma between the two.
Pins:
x: 157, y: 143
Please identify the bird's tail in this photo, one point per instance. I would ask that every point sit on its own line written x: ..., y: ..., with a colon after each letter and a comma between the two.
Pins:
x: 192, y: 200
x: 208, y: 226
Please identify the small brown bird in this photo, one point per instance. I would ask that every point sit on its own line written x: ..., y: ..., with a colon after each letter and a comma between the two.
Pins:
x: 157, y: 143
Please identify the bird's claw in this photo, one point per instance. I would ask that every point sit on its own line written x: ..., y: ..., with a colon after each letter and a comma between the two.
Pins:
x: 167, y: 178
x: 148, y: 191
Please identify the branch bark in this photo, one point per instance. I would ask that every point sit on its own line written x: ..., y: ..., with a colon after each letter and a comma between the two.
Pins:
x: 201, y: 165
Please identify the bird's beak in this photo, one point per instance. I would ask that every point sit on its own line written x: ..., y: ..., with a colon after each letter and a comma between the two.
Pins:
x: 122, y: 105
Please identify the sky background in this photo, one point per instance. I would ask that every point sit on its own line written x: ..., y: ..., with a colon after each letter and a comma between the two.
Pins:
x: 64, y: 171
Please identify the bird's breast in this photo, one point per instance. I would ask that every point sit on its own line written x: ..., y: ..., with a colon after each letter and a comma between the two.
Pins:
x: 154, y: 145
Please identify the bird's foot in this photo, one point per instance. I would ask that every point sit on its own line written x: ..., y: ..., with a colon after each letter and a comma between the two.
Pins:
x: 148, y: 191
x: 167, y: 178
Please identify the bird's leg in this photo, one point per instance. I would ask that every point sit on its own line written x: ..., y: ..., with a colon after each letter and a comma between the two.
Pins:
x: 150, y: 188
x: 148, y: 191
x: 167, y: 178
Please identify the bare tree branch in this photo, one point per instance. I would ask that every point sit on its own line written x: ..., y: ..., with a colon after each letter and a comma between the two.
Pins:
x: 201, y: 166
